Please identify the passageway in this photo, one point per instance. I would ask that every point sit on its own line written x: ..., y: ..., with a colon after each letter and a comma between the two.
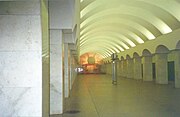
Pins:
x: 44, y: 44
x: 95, y: 96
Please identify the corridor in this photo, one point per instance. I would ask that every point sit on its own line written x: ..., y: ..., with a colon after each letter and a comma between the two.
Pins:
x: 95, y: 96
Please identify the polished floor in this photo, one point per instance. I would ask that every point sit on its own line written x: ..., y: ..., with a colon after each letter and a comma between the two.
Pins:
x: 95, y: 96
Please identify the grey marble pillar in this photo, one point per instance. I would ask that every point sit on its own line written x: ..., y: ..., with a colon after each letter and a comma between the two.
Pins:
x: 177, y: 68
x: 129, y: 68
x: 147, y: 68
x: 56, y: 72
x: 161, y: 68
x: 137, y: 68
x: 24, y: 61
x: 66, y: 70
x: 124, y: 69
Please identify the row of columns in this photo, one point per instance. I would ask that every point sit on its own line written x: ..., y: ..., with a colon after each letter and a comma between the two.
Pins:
x: 35, y: 63
x: 62, y: 70
x: 141, y: 67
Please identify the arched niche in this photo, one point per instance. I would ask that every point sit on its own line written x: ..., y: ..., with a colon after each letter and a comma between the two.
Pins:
x: 162, y: 49
x: 128, y: 57
x: 146, y: 52
x: 136, y: 55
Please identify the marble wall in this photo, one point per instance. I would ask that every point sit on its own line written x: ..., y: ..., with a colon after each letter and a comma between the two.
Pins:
x: 21, y: 59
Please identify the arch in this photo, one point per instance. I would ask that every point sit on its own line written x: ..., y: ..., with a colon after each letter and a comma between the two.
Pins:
x: 136, y: 55
x: 128, y: 57
x: 162, y: 49
x: 178, y: 45
x: 146, y: 52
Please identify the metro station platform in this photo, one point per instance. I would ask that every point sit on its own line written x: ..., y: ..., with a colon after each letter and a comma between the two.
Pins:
x: 94, y: 96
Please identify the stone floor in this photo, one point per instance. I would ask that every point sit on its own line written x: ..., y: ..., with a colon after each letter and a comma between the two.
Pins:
x: 95, y: 96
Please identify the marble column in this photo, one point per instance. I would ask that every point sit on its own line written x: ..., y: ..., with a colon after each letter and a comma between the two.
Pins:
x: 147, y: 68
x: 118, y: 68
x: 66, y: 70
x: 72, y: 70
x: 24, y: 61
x: 137, y: 68
x: 56, y: 72
x: 73, y: 73
x: 177, y: 68
x: 129, y: 68
x: 124, y: 69
x: 161, y: 68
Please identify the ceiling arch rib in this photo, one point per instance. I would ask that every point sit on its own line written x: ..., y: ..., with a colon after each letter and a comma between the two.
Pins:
x: 170, y: 6
x: 116, y: 47
x: 101, y: 44
x: 122, y: 32
x: 104, y: 52
x: 101, y: 49
x: 108, y: 28
x: 138, y: 20
x: 144, y: 6
x: 113, y: 35
x: 137, y: 12
x: 131, y: 32
x: 108, y: 39
x: 119, y: 48
x: 120, y: 20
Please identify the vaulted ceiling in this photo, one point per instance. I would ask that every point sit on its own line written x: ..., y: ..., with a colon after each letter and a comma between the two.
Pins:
x: 113, y: 26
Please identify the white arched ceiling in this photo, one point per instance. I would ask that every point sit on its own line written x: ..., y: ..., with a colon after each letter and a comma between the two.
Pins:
x: 113, y: 26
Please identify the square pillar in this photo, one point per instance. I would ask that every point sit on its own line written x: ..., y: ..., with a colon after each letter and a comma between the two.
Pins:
x: 56, y: 72
x: 161, y: 68
x: 137, y: 68
x: 147, y: 68
x: 118, y: 68
x: 66, y: 70
x: 124, y: 68
x: 177, y: 68
x: 24, y: 61
x: 129, y: 68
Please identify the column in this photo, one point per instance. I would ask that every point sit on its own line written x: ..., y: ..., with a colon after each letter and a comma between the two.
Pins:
x: 24, y: 61
x: 129, y: 68
x: 137, y: 68
x: 177, y: 68
x: 124, y: 69
x: 161, y: 68
x: 71, y: 70
x: 56, y: 72
x: 66, y: 70
x: 147, y: 68
x: 118, y: 68
x: 73, y: 67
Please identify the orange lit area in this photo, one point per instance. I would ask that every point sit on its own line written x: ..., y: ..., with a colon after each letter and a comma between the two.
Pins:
x: 91, y: 63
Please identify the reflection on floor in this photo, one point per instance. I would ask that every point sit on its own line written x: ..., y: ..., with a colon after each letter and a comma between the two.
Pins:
x: 95, y: 96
